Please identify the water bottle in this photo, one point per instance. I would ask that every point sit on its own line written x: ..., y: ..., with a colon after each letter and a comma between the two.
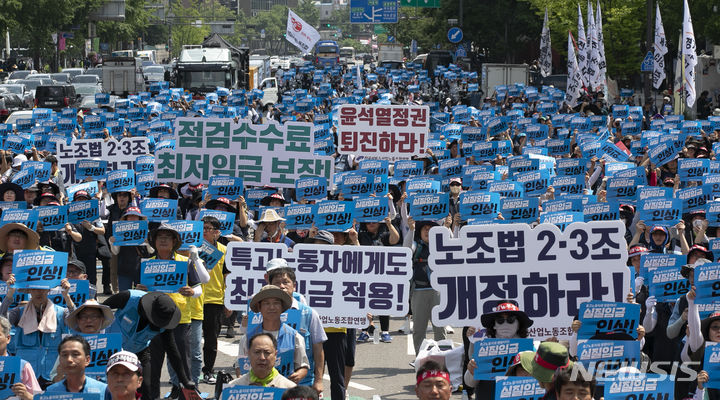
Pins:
x: 376, y: 336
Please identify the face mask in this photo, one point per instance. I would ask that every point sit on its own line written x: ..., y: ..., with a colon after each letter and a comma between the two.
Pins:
x: 455, y: 189
x: 506, y: 330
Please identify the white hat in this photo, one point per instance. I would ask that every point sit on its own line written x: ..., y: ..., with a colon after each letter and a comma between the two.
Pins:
x: 18, y: 160
x: 271, y: 215
x: 276, y: 263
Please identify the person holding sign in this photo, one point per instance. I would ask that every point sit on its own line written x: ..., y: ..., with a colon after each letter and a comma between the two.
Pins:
x: 263, y: 348
x: 86, y: 249
x: 115, y: 211
x: 15, y: 236
x: 271, y: 302
x: 270, y: 229
x: 699, y: 333
x: 39, y: 325
x: 129, y: 257
x: 29, y: 385
x: 433, y: 382
x: 74, y: 357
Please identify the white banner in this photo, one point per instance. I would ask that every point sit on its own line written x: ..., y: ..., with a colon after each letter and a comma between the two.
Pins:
x: 574, y: 78
x: 581, y: 48
x: 271, y: 154
x: 119, y: 154
x: 390, y: 132
x: 545, y: 48
x: 593, y: 58
x: 689, y: 56
x: 660, y: 50
x: 602, y: 64
x: 300, y: 33
x: 342, y: 283
x: 549, y: 272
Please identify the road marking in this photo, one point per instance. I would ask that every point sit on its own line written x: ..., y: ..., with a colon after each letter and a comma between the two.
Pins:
x: 410, y: 345
x: 230, y: 349
x: 358, y: 386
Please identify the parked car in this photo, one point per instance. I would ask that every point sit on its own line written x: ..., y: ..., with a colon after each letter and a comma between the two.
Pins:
x: 20, y: 90
x: 62, y: 78
x: 9, y: 102
x: 74, y: 72
x: 56, y: 97
x: 154, y: 73
x: 86, y: 79
x: 97, y: 70
x: 17, y: 75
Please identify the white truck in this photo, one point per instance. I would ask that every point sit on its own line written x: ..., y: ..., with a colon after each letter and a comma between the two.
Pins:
x: 390, y: 52
x: 123, y: 75
x: 503, y: 74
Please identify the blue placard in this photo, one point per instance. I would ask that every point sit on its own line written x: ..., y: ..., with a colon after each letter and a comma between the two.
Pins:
x: 561, y: 219
x: 571, y: 166
x: 664, y: 152
x: 660, y: 211
x: 493, y: 356
x: 611, y: 151
x: 374, y: 167
x: 712, y: 364
x: 487, y: 151
x: 451, y: 168
x: 568, y: 184
x: 695, y: 198
x: 371, y: 209
x: 120, y: 180
x: 13, y: 205
x: 422, y: 185
x: 41, y: 169
x: 706, y: 277
x: 191, y: 233
x: 53, y: 218
x: 623, y: 189
x: 39, y: 269
x: 520, y: 210
x: 562, y: 205
x: 102, y: 346
x: 313, y: 188
x: 601, y: 211
x: 429, y: 206
x: 27, y: 217
x: 652, y: 261
x: 159, y: 210
x: 300, y: 216
x: 144, y: 182
x: 79, y: 293
x: 479, y: 205
x: 666, y: 284
x: 79, y: 211
x: 639, y: 386
x: 407, y: 168
x: 600, y: 317
x: 166, y: 276
x: 226, y: 186
x: 507, y: 189
x: 129, y: 233
x: 604, y: 356
x: 144, y: 164
x: 25, y: 178
x: 693, y: 169
x: 226, y: 218
x: 649, y: 192
x: 480, y: 180
x: 10, y: 373
x: 210, y: 254
x: 534, y: 183
x: 102, y: 98
x: 334, y: 216
x: 90, y: 187
x: 94, y: 169
x: 252, y: 392
x: 357, y: 184
x: 518, y: 388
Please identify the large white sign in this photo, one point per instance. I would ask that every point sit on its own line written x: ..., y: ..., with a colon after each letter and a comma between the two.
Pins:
x: 342, y: 283
x: 119, y: 154
x: 549, y: 272
x: 270, y: 154
x: 383, y: 131
x: 300, y: 33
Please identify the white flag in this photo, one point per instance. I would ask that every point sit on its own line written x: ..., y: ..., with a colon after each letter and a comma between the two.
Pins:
x: 602, y: 64
x: 593, y: 71
x: 574, y: 79
x: 545, y: 48
x: 660, y: 50
x: 678, y: 82
x: 581, y: 50
x: 300, y: 33
x: 358, y: 77
x: 688, y: 52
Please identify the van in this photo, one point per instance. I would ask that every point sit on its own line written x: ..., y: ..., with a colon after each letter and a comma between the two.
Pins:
x: 347, y: 55
x: 55, y: 97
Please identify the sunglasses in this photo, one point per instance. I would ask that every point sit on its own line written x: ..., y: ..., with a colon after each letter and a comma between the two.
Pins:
x: 509, y: 319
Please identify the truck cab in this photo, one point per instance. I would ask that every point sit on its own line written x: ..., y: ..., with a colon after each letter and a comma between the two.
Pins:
x: 202, y: 69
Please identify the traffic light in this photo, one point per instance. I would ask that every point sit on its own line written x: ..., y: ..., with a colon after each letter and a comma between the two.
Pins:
x: 328, y: 25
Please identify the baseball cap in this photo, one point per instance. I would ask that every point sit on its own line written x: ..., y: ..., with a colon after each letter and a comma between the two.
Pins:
x: 276, y: 263
x: 125, y: 358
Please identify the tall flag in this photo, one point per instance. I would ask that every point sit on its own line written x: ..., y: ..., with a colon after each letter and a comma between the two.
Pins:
x: 660, y: 50
x: 300, y: 33
x: 602, y: 64
x: 678, y: 82
x: 581, y: 51
x: 545, y: 48
x: 358, y: 77
x: 688, y: 52
x: 593, y: 73
x: 574, y: 79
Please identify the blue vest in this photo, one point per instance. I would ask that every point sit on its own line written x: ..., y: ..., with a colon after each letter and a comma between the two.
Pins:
x: 41, y: 352
x: 126, y: 322
x: 285, y: 361
x: 304, y: 329
x: 91, y: 386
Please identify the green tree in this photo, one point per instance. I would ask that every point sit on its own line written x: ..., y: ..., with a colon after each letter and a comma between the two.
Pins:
x: 137, y: 19
x: 308, y: 12
x: 274, y: 22
x: 185, y: 29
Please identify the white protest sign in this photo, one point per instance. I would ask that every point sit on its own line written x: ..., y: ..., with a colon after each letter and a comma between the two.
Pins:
x: 341, y: 283
x: 383, y: 131
x: 119, y: 154
x: 549, y: 272
x: 270, y: 154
